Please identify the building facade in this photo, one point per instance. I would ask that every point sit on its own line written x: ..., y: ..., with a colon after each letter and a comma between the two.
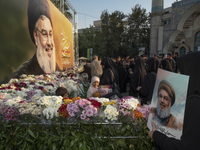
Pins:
x: 175, y: 29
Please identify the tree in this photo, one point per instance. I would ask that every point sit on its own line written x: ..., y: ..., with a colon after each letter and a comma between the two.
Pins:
x: 86, y: 41
x: 138, y: 29
x: 120, y: 34
x: 91, y: 39
x: 113, y: 26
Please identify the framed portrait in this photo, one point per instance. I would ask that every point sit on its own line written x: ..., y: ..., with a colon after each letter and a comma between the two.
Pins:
x: 168, y: 103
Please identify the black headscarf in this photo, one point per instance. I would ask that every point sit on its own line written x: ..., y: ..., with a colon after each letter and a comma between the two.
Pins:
x: 138, y: 76
x: 188, y: 65
x: 36, y: 8
x: 152, y: 65
x: 166, y: 65
x: 139, y: 69
x: 108, y: 63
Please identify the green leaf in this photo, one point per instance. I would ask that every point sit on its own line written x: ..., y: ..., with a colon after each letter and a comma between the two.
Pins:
x: 72, y: 143
x: 30, y: 140
x: 54, y: 146
x: 20, y: 142
x: 31, y: 133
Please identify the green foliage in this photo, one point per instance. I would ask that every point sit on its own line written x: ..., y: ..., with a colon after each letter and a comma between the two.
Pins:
x: 138, y: 32
x: 80, y: 136
x: 120, y: 34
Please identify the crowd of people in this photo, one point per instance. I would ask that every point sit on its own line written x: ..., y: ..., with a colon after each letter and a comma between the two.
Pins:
x: 136, y: 76
x: 140, y: 73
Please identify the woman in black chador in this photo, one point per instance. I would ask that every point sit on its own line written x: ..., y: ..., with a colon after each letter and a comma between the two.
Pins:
x: 138, y: 76
x: 110, y: 74
x: 146, y: 90
x: 187, y: 65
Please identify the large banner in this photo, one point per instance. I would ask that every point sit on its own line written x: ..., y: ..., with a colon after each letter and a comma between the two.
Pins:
x: 35, y: 38
x: 168, y: 103
x: 63, y: 38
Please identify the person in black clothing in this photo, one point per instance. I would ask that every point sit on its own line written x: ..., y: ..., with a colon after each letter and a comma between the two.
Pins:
x: 191, y: 132
x: 175, y: 59
x: 146, y: 90
x: 138, y: 76
x: 121, y: 72
x: 171, y: 60
x: 110, y: 76
x: 166, y: 65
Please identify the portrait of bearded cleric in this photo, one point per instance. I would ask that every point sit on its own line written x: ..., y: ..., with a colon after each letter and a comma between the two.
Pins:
x: 45, y: 52
x: 162, y: 113
x: 41, y: 33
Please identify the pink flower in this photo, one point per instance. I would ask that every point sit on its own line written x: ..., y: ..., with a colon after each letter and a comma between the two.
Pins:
x: 71, y: 113
x: 8, y: 117
x: 84, y: 112
x: 89, y: 112
x: 81, y: 104
x: 83, y: 116
x: 94, y: 111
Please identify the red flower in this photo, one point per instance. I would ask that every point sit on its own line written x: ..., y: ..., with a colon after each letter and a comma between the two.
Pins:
x: 62, y: 110
x: 95, y: 103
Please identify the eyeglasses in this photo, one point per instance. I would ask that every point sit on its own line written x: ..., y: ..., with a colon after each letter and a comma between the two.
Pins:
x: 45, y: 35
x: 164, y: 97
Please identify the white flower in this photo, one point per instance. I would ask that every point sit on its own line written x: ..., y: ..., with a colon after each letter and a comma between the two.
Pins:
x: 133, y: 102
x: 13, y: 101
x: 6, y: 95
x: 50, y: 112
x: 13, y: 81
x: 111, y: 113
x: 101, y: 100
x: 50, y: 101
x: 22, y: 94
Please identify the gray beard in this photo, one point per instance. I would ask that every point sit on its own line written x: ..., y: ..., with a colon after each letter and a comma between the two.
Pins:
x: 163, y: 114
x: 48, y: 66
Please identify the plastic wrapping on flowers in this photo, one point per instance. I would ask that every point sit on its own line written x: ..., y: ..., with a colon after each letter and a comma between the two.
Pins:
x: 35, y: 96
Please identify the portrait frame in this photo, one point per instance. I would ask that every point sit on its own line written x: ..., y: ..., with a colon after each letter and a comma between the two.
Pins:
x: 179, y: 83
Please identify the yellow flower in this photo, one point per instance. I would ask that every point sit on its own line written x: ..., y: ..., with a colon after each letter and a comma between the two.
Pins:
x: 109, y: 103
x: 67, y: 101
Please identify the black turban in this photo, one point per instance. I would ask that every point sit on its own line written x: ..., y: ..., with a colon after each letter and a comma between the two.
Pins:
x: 168, y: 88
x: 36, y: 8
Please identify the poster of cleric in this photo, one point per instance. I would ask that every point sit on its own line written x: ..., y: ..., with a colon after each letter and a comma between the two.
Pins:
x: 168, y: 103
x: 52, y: 39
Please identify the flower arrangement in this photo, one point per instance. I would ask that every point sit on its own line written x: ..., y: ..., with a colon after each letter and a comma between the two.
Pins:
x: 35, y: 95
x: 111, y: 113
x: 63, y: 111
x: 145, y: 110
x: 105, y: 89
x: 51, y: 105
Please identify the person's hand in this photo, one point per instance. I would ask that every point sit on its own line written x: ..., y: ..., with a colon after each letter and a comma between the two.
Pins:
x: 130, y: 72
x: 138, y: 88
x: 152, y: 131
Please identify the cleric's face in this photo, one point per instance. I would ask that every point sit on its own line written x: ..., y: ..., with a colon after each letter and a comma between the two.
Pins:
x: 45, y: 52
x: 164, y: 100
x: 164, y: 104
x: 45, y: 35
